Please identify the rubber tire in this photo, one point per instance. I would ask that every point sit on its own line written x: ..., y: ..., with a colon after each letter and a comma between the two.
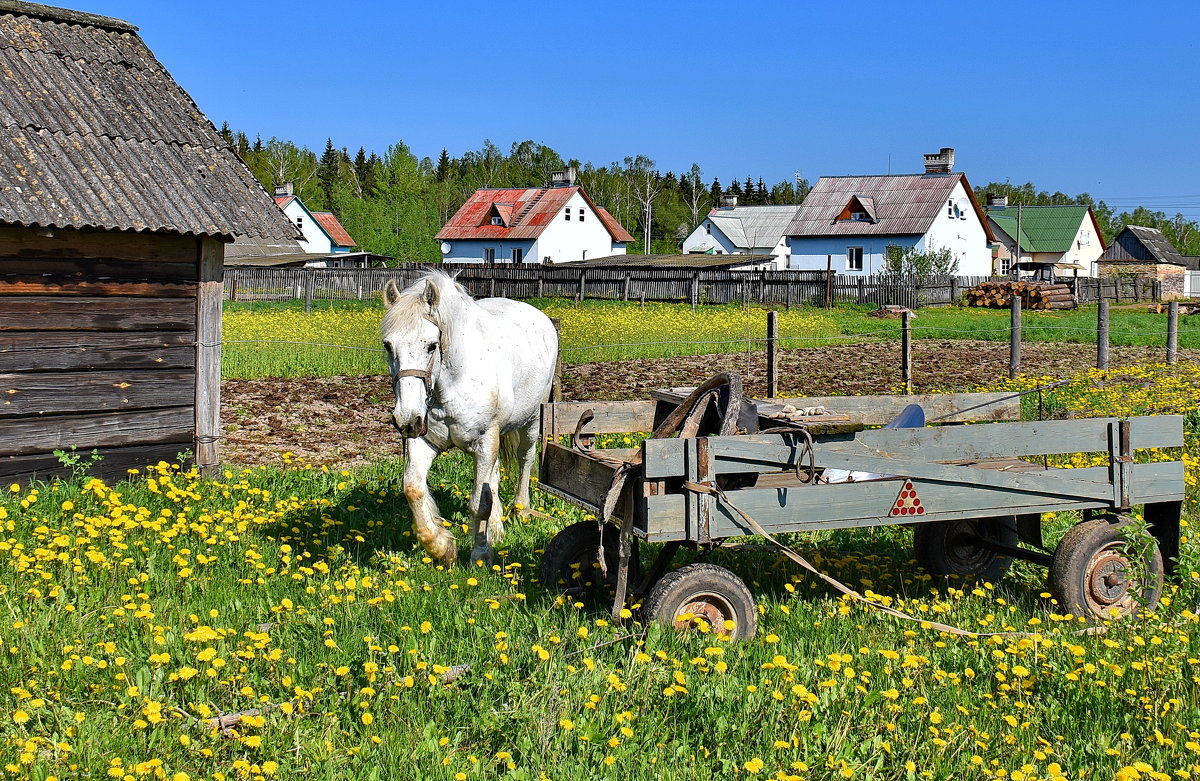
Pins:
x: 676, y: 590
x: 570, y: 546
x: 933, y: 546
x: 1071, y: 572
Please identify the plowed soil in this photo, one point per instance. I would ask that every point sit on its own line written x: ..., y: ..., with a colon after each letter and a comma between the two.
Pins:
x: 343, y: 421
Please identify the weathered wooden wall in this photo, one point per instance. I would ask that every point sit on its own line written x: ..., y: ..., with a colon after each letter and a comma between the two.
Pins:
x: 98, y: 335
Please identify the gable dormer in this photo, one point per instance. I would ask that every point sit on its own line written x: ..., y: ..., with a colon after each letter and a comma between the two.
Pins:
x: 860, y: 208
x: 500, y: 214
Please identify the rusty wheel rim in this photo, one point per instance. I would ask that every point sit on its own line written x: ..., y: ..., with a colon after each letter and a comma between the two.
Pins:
x: 1108, y: 584
x: 712, y: 609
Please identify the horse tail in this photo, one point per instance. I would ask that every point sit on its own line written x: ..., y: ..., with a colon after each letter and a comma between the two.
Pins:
x: 510, y: 456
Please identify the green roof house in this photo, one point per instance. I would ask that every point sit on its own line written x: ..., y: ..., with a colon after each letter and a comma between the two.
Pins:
x: 1066, y: 239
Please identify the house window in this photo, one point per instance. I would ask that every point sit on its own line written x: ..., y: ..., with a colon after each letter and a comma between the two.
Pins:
x: 858, y: 216
x: 489, y: 255
x: 518, y: 256
x: 567, y: 214
x: 1005, y: 266
x: 854, y: 258
x: 949, y: 208
x: 581, y: 215
x: 708, y: 228
x: 497, y: 221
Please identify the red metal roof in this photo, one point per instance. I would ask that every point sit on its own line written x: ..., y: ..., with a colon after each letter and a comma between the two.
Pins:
x: 334, y: 228
x: 526, y: 212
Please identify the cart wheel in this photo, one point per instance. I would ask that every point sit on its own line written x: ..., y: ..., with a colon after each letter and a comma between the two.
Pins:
x: 704, y: 595
x: 1098, y: 574
x: 569, y: 562
x: 953, y: 547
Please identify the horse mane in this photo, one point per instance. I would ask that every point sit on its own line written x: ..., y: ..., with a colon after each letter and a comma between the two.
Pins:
x: 412, y: 305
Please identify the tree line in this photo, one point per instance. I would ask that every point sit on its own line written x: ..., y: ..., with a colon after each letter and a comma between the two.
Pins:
x: 394, y: 203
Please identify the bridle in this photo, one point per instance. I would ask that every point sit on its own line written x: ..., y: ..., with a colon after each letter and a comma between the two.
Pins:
x: 426, y: 374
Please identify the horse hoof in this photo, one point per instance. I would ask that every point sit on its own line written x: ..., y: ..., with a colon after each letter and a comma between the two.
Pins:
x: 449, y: 555
x: 482, y: 557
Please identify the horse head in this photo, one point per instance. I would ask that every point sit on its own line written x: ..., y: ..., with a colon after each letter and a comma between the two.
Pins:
x: 413, y: 339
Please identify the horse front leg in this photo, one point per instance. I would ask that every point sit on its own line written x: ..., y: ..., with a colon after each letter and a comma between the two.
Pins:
x: 487, y: 528
x: 526, y: 454
x: 427, y: 521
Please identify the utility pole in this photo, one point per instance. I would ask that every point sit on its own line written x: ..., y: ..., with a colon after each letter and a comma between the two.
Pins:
x: 1016, y: 271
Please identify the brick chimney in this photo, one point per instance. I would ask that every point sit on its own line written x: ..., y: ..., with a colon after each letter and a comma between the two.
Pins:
x: 941, y: 162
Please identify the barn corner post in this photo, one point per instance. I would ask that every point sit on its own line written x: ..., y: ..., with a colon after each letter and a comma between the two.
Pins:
x: 210, y: 262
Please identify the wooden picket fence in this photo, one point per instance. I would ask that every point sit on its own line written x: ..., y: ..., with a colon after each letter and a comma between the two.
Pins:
x: 694, y: 286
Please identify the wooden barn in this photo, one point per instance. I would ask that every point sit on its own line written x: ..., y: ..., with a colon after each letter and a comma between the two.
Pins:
x: 117, y: 197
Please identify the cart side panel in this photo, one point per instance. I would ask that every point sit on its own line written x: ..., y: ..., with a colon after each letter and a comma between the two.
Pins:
x: 945, y: 407
x: 611, y: 417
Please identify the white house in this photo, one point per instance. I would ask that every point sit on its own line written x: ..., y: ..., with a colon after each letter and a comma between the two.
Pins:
x: 1064, y: 238
x: 555, y: 224
x: 743, y: 230
x: 850, y: 223
x: 322, y: 233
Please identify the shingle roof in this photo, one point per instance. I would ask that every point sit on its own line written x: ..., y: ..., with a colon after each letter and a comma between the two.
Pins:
x: 1138, y: 243
x: 532, y: 209
x: 904, y: 204
x: 1044, y: 228
x: 753, y: 226
x: 334, y: 228
x: 94, y: 133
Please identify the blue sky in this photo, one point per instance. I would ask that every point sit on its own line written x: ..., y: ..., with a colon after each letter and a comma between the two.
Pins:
x: 1099, y: 97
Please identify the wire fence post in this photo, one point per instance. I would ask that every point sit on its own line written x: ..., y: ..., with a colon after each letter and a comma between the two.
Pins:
x: 1014, y: 345
x: 906, y: 365
x: 772, y: 355
x: 1102, y: 334
x: 1172, y: 331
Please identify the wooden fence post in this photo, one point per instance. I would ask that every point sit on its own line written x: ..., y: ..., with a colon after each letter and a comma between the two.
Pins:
x: 625, y: 292
x: 788, y: 304
x: 862, y: 290
x: 695, y: 290
x: 1102, y: 334
x: 1172, y: 331
x: 1014, y: 346
x: 308, y: 292
x: 772, y: 355
x: 582, y: 284
x: 906, y: 365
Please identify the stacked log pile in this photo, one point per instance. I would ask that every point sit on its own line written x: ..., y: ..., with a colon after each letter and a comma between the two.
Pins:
x: 1033, y: 295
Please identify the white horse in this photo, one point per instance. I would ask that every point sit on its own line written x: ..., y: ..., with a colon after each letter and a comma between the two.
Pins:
x: 472, y: 375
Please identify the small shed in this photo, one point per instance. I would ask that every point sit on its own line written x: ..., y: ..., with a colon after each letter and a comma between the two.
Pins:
x: 117, y: 197
x: 1143, y: 252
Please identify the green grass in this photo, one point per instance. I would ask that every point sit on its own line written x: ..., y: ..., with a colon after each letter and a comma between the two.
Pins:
x: 280, y: 340
x: 132, y: 612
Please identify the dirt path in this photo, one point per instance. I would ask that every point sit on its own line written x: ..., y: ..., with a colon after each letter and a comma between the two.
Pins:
x: 342, y: 421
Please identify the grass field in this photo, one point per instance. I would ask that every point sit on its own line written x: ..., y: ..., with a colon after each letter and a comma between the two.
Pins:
x: 135, y: 612
x: 598, y: 331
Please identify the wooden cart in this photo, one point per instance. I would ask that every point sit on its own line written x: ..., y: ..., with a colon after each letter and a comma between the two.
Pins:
x: 974, y: 493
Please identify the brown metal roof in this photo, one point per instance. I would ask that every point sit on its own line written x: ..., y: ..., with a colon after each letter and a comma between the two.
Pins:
x: 94, y: 133
x: 902, y: 204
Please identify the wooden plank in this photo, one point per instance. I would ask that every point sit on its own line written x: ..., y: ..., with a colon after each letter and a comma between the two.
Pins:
x: 51, y: 313
x: 12, y: 285
x: 42, y: 393
x: 114, y: 465
x: 207, y: 315
x: 612, y: 417
x: 104, y: 268
x: 880, y: 410
x: 66, y: 243
x: 80, y: 350
x: 575, y: 475
x: 25, y: 436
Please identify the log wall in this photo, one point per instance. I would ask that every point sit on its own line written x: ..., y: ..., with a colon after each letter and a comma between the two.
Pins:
x: 98, y: 336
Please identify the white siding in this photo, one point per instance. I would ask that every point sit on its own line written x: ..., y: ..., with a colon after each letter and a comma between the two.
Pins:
x: 962, y: 233
x: 315, y: 239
